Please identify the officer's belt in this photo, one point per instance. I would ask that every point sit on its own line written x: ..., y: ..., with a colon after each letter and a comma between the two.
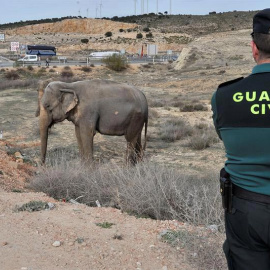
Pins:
x: 249, y: 195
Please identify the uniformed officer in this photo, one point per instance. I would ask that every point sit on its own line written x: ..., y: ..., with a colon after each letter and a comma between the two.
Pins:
x: 241, y: 114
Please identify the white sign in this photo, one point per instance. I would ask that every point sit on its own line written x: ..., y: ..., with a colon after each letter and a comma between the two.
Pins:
x: 169, y: 52
x: 14, y: 46
x: 152, y: 49
x: 2, y: 37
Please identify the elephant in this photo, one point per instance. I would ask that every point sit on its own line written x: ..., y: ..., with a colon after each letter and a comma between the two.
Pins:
x: 103, y: 106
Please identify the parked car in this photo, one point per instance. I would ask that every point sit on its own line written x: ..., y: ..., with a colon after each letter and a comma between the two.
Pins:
x: 29, y: 58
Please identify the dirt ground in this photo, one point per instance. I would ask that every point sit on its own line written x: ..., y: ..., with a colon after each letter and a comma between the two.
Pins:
x: 26, y: 238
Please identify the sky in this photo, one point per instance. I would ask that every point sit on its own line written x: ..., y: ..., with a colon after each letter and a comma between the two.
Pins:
x: 23, y: 10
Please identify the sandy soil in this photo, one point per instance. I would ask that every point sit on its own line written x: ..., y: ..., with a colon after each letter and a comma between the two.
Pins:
x: 26, y: 240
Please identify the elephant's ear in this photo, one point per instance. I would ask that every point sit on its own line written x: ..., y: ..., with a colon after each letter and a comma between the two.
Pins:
x: 69, y: 100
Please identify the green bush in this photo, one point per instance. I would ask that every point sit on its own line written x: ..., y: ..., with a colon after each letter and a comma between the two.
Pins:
x: 149, y: 35
x: 146, y: 29
x: 108, y: 34
x: 115, y: 62
x: 84, y: 40
x: 139, y: 35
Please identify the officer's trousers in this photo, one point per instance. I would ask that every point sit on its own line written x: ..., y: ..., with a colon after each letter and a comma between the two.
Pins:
x: 247, y: 246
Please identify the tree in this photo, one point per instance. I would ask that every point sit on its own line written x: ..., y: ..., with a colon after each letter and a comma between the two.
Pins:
x: 108, y: 34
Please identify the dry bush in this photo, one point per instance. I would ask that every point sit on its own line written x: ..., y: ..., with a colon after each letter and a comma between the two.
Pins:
x: 153, y: 114
x: 67, y: 74
x: 12, y: 75
x: 156, y: 103
x: 203, y: 137
x: 175, y: 129
x: 30, y: 68
x: 7, y: 84
x: 146, y: 189
x: 193, y: 107
x: 86, y: 69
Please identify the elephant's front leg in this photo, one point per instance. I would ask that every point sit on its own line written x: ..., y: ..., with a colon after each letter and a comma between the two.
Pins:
x: 87, y: 134
x: 79, y: 140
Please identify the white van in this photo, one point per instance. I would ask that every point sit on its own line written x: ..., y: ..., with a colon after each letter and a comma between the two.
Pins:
x: 29, y: 58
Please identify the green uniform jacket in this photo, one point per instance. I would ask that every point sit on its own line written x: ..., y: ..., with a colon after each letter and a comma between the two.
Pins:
x: 241, y: 114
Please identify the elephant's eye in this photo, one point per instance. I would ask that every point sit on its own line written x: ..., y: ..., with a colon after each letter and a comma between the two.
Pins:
x: 47, y: 106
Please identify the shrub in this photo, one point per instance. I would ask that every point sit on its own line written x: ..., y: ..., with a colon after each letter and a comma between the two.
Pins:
x: 67, y: 73
x: 12, y: 75
x: 175, y: 129
x: 33, y: 206
x: 146, y: 29
x: 193, y: 107
x: 139, y: 35
x: 51, y: 70
x: 149, y: 35
x: 203, y: 138
x: 147, y: 189
x: 30, y: 68
x: 115, y: 62
x: 86, y: 69
x: 108, y: 34
x: 121, y: 30
x: 84, y: 40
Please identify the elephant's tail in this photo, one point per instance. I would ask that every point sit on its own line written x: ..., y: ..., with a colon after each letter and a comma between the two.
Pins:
x: 145, y: 133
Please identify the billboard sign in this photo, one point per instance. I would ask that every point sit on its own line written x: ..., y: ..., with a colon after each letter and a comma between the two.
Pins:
x: 14, y: 46
x: 152, y: 49
x: 2, y: 37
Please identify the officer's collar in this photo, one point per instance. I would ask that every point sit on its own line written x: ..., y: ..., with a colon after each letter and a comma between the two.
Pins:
x: 261, y: 68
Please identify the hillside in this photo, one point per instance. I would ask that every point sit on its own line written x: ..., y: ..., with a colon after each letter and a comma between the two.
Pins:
x: 169, y: 32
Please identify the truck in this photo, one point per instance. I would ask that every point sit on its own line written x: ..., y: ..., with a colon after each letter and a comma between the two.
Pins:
x: 99, y: 55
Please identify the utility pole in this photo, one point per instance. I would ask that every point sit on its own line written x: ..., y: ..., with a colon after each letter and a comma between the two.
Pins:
x: 96, y: 10
x: 157, y: 6
x: 87, y: 11
x: 147, y: 6
x: 100, y: 6
x: 135, y: 7
x: 170, y: 7
x: 142, y: 6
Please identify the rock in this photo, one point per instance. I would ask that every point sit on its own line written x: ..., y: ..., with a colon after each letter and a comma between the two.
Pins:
x: 18, y: 155
x: 213, y: 228
x: 4, y: 243
x: 56, y: 244
x: 51, y: 205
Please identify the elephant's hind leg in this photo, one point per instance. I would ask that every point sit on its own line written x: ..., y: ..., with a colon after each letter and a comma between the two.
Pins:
x: 134, y: 150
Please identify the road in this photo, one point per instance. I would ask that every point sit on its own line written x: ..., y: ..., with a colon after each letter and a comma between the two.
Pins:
x: 5, y: 62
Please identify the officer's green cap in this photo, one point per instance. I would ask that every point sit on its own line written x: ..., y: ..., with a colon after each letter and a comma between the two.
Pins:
x: 261, y: 22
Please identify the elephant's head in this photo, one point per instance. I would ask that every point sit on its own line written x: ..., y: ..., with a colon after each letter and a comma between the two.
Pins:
x: 55, y: 103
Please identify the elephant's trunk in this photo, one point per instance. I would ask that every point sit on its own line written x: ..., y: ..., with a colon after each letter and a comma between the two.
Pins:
x: 43, y: 128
